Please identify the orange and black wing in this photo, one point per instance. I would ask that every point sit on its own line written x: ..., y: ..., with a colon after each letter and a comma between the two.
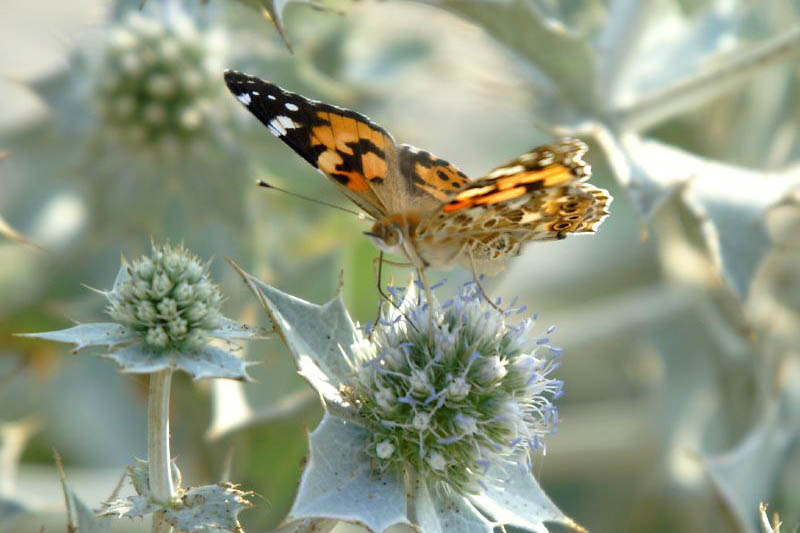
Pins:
x: 538, y: 196
x: 354, y: 152
x: 549, y: 166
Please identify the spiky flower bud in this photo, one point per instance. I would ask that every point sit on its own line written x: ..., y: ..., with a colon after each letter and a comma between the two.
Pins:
x: 158, y: 77
x: 453, y: 402
x: 169, y: 298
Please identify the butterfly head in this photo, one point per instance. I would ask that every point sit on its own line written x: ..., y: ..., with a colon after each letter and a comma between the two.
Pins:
x: 386, y: 236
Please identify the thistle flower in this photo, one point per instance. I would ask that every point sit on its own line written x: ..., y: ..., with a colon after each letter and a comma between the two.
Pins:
x: 431, y: 430
x: 168, y: 298
x: 166, y: 310
x: 458, y: 401
x: 158, y: 79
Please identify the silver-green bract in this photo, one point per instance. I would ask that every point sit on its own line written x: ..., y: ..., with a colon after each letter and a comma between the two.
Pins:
x: 166, y: 310
x: 345, y: 480
x: 206, y: 509
x: 157, y: 80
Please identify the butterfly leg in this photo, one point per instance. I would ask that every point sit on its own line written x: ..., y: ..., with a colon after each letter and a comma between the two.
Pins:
x: 397, y: 263
x: 378, y: 262
x: 477, y: 279
x: 384, y: 296
x: 426, y: 285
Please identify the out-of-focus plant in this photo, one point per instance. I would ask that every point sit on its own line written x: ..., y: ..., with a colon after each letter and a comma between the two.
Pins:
x: 157, y: 82
x: 167, y: 310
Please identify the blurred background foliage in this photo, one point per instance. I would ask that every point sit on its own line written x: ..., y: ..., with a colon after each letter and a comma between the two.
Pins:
x: 680, y: 319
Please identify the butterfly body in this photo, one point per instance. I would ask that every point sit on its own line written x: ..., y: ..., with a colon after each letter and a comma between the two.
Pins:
x: 424, y: 207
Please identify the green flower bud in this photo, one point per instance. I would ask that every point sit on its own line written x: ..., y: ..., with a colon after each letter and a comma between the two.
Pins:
x: 156, y: 337
x: 177, y: 328
x: 145, y: 268
x: 169, y: 314
x: 168, y: 308
x: 161, y: 285
x: 196, y: 311
x: 183, y: 292
x: 146, y: 312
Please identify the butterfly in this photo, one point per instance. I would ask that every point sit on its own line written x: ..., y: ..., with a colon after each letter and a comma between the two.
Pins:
x: 423, y: 207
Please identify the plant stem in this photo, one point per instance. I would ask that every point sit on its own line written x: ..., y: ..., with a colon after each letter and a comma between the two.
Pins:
x: 159, y: 465
x: 696, y: 90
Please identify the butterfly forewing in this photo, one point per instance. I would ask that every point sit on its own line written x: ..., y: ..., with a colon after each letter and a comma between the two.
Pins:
x: 354, y: 152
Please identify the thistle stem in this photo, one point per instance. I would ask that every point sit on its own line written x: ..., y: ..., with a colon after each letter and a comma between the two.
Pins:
x: 162, y: 489
x: 696, y: 90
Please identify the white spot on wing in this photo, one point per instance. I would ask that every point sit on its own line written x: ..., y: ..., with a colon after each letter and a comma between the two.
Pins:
x: 286, y: 122
x: 255, y: 93
x: 291, y: 107
x: 270, y: 97
x: 276, y: 128
x: 507, y: 171
x: 244, y: 98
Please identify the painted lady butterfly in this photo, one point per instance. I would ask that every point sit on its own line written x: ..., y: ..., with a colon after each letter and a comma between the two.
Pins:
x: 424, y: 207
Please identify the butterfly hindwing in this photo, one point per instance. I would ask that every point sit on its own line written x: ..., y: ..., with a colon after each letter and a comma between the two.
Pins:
x: 547, y: 166
x: 346, y: 146
x: 538, y: 196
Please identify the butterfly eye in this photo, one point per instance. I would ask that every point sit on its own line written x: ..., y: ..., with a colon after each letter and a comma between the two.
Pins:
x: 385, y: 237
x: 395, y: 237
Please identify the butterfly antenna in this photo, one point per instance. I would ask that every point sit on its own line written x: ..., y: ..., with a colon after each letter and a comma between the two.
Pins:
x: 363, y: 216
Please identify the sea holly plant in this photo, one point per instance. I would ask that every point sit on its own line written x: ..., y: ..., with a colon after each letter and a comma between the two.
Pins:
x: 157, y: 83
x: 429, y: 430
x: 166, y: 311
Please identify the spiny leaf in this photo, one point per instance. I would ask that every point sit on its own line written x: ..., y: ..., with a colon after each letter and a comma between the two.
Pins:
x: 108, y: 334
x: 317, y: 336
x: 650, y: 171
x: 521, y: 502
x: 205, y: 363
x: 519, y: 25
x: 444, y: 512
x: 339, y: 482
x: 209, y: 509
x: 206, y: 509
x: 730, y: 202
x: 79, y: 517
x: 231, y: 330
x: 745, y: 476
x: 272, y: 10
x: 734, y: 202
x: 139, y: 475
x: 135, y: 506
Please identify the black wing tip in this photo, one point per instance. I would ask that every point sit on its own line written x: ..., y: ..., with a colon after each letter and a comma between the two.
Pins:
x: 233, y: 78
x: 237, y: 81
